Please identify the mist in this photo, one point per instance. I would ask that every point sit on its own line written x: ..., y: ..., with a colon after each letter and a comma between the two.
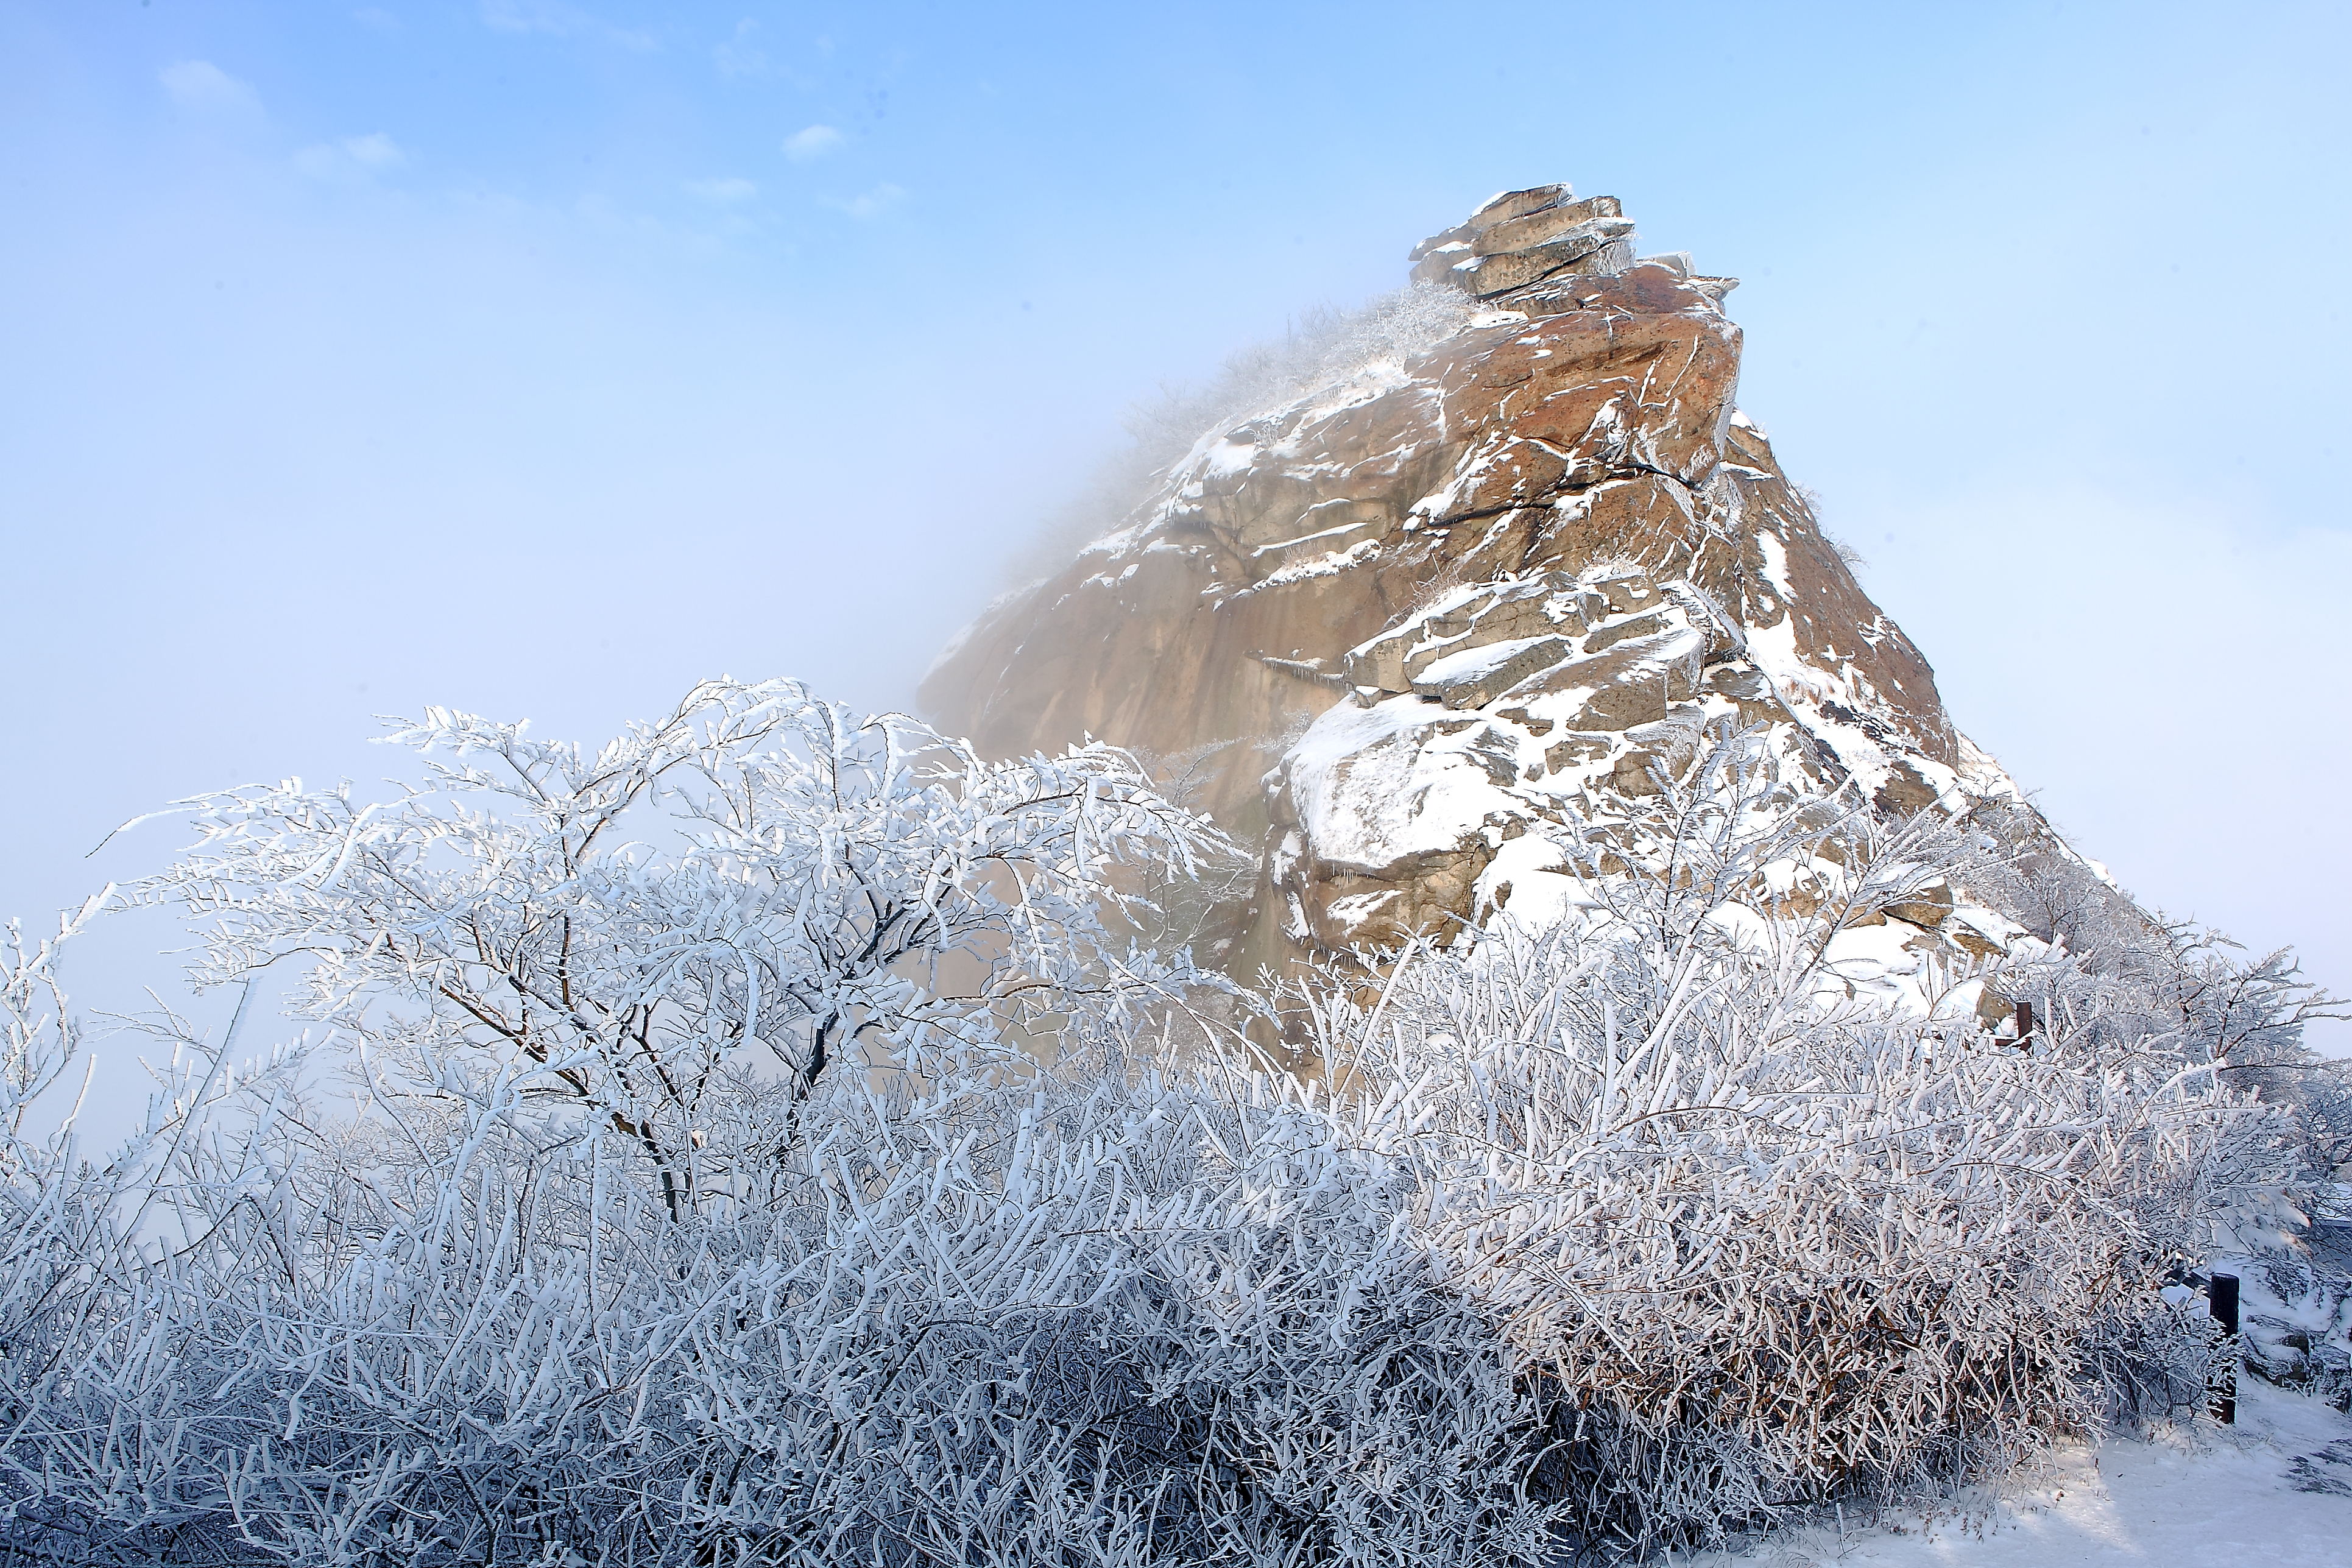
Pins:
x: 541, y: 361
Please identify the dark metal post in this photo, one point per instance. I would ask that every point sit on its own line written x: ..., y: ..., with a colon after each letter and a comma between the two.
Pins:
x: 2222, y: 1297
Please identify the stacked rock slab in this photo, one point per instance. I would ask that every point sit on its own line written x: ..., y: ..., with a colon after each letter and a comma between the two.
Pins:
x: 1524, y: 237
x: 1446, y: 605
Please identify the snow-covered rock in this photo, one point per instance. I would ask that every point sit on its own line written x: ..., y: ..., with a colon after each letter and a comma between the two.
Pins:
x: 1452, y: 601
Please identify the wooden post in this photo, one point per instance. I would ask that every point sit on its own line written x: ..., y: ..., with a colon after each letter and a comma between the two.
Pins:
x: 2221, y: 1298
x: 2024, y: 1021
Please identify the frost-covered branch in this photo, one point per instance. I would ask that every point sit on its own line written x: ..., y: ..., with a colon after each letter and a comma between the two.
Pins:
x: 773, y: 1145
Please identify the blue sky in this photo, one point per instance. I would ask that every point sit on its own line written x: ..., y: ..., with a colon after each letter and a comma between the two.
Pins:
x: 541, y: 359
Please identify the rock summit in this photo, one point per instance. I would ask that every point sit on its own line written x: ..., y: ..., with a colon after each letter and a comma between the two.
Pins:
x: 1417, y: 625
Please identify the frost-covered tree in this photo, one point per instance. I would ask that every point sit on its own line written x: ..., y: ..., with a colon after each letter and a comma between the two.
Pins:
x: 770, y: 1148
x: 759, y: 877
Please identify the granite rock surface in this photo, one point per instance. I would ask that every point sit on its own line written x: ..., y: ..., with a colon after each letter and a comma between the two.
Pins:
x: 1399, y: 629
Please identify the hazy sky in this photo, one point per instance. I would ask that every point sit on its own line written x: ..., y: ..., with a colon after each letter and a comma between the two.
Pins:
x: 541, y: 359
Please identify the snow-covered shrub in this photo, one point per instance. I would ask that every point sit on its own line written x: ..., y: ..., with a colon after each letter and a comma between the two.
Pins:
x: 2172, y: 987
x: 764, y: 1152
x: 796, y: 1192
x: 1754, y: 1243
x: 1750, y: 1257
x: 1073, y: 1317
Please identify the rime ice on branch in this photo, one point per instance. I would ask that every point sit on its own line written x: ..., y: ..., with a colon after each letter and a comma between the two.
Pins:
x: 1598, y: 1239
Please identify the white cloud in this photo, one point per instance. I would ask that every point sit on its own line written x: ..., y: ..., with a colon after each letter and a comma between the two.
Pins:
x: 725, y: 189
x: 557, y: 20
x: 872, y: 204
x: 352, y: 157
x: 741, y: 56
x: 807, y: 146
x: 375, y: 151
x: 204, y: 87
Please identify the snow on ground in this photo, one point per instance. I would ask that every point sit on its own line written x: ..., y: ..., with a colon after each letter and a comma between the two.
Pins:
x: 2274, y: 1492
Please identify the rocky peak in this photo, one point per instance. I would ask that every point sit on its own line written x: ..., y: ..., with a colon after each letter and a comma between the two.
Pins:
x: 1403, y: 629
x: 1538, y: 236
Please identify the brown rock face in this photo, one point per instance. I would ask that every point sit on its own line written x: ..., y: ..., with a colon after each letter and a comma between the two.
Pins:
x: 1443, y: 603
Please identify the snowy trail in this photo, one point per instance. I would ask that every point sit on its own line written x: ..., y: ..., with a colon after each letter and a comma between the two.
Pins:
x: 2233, y: 1499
